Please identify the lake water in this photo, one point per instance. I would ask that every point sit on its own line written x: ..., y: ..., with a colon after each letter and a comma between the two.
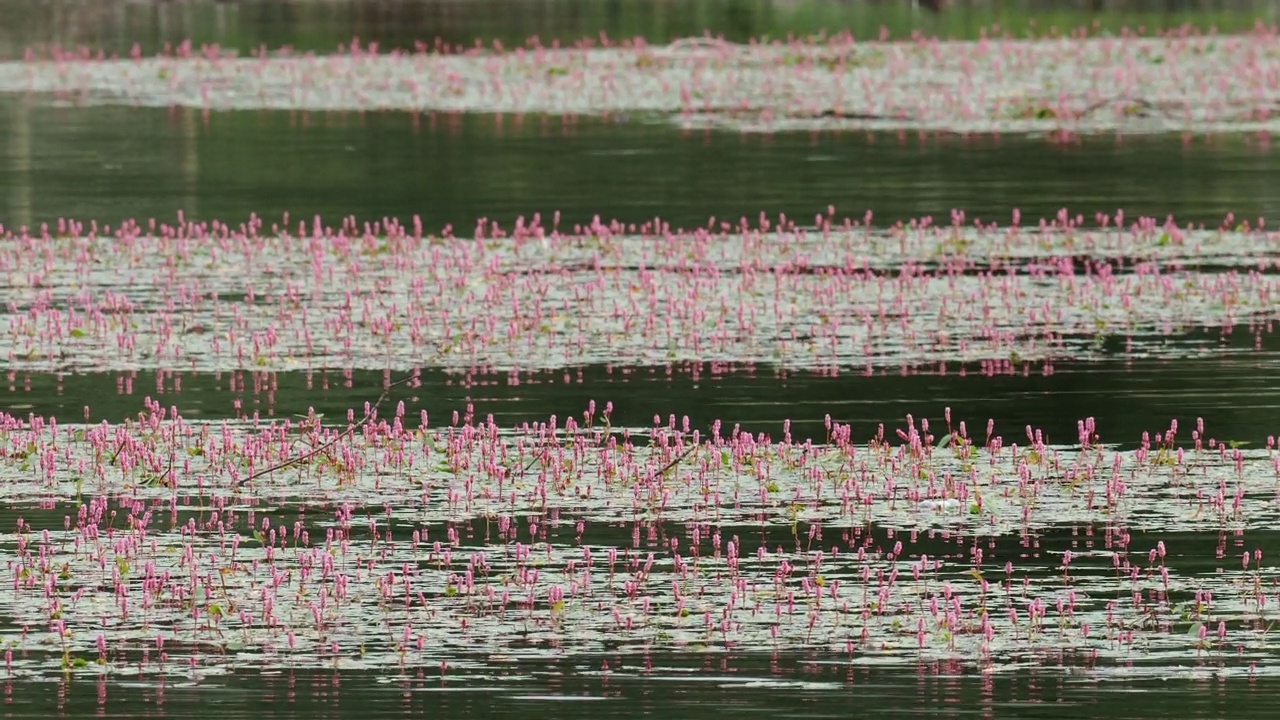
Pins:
x: 110, y: 163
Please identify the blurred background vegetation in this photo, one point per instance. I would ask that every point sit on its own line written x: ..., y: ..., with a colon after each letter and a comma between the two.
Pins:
x: 115, y: 25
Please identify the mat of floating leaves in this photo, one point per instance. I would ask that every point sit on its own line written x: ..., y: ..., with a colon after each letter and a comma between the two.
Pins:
x: 159, y: 545
x: 1185, y: 82
x: 832, y: 295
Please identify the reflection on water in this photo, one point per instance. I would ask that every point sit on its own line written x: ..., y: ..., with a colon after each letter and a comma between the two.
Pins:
x: 18, y: 159
x: 112, y: 163
x: 1237, y: 394
x: 692, y: 686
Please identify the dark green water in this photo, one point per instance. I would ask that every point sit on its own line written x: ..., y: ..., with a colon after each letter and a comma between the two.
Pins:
x: 1237, y: 395
x: 671, y: 687
x: 115, y: 25
x: 114, y: 163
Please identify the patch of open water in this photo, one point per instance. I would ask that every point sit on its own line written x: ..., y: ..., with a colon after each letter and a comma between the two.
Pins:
x: 1232, y: 385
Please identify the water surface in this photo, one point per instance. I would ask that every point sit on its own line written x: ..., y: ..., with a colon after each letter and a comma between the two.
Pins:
x: 114, y: 163
x: 109, y: 164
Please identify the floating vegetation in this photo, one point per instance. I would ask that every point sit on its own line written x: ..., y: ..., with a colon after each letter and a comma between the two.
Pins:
x: 830, y: 295
x: 1179, y: 82
x: 158, y: 545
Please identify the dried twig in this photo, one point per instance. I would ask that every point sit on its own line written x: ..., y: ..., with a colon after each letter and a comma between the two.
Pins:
x: 674, y: 461
x: 321, y: 448
x: 1135, y: 102
x: 603, y: 439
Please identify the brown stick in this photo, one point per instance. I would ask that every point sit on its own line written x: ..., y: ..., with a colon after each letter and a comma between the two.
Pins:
x: 1137, y: 102
x: 321, y: 448
x: 675, y: 461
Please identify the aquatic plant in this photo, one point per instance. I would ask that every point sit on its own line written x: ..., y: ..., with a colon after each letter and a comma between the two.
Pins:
x: 828, y: 295
x: 158, y: 545
x: 1181, y: 81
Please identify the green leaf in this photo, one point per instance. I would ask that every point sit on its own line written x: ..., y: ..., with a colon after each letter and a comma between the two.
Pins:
x: 77, y: 333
